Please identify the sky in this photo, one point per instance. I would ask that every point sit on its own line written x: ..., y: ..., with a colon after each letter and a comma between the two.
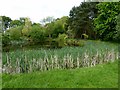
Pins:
x: 36, y: 10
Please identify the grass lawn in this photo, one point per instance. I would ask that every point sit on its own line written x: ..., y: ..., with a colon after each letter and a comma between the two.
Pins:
x: 100, y: 76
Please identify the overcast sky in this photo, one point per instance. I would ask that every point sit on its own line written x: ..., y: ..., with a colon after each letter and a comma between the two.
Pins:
x: 37, y: 9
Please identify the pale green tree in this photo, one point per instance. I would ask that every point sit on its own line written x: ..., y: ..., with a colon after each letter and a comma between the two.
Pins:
x: 27, y: 27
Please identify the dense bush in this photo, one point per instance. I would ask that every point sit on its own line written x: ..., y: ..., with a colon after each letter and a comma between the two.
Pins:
x: 117, y: 32
x: 15, y: 33
x: 37, y: 34
x: 105, y: 23
x: 61, y: 40
x: 5, y: 39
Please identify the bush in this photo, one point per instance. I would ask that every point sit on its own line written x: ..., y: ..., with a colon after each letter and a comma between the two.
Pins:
x: 117, y: 32
x: 74, y: 42
x: 15, y: 33
x: 37, y: 34
x: 61, y: 40
x: 6, y: 38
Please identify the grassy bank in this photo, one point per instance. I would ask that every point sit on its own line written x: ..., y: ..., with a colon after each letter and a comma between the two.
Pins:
x: 100, y: 76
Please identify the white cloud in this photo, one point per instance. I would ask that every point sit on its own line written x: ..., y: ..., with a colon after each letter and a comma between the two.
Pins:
x: 36, y: 9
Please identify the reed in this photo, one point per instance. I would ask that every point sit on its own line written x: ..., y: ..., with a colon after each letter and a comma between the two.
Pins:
x: 25, y: 65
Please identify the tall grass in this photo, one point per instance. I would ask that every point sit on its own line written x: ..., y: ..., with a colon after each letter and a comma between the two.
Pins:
x: 93, y: 53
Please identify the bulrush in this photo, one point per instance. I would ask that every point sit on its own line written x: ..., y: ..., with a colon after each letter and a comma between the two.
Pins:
x: 17, y: 66
x: 85, y: 60
x: 24, y: 64
x: 78, y: 62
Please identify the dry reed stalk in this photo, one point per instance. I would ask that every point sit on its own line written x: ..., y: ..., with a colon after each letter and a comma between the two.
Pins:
x: 85, y: 60
x: 71, y: 62
x: 117, y: 55
x: 30, y: 68
x: 113, y: 55
x: 52, y: 62
x: 33, y: 64
x: 17, y: 66
x: 64, y: 62
x: 68, y: 60
x: 56, y: 62
x: 41, y: 65
x: 47, y: 63
x: 78, y: 63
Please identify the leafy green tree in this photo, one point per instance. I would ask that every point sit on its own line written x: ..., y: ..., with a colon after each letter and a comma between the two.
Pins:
x: 16, y: 23
x: 59, y: 26
x: 49, y: 29
x: 15, y: 33
x: 27, y: 27
x: 6, y: 39
x: 81, y: 19
x: 55, y: 28
x: 105, y: 23
x: 61, y: 40
x: 1, y: 24
x: 117, y: 32
x: 6, y: 22
x: 37, y: 34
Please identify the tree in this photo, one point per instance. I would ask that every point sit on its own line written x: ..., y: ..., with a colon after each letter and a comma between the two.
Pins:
x: 16, y: 23
x: 27, y: 27
x: 6, y: 22
x: 105, y: 23
x: 117, y: 32
x: 81, y: 19
x: 37, y: 34
x: 15, y: 33
x: 1, y: 24
x: 57, y: 27
x: 48, y: 19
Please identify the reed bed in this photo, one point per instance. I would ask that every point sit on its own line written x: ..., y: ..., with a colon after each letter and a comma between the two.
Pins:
x: 93, y: 53
x: 26, y: 65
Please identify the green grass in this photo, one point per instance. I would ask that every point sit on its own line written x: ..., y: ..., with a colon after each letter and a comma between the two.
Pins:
x: 100, y: 76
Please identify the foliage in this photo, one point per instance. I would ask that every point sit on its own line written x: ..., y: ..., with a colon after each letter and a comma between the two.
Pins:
x: 37, y: 34
x: 17, y: 23
x: 105, y: 22
x: 117, y: 33
x: 81, y: 19
x: 6, y: 22
x: 15, y: 33
x: 49, y: 29
x: 74, y: 42
x: 36, y: 52
x: 6, y: 39
x: 59, y: 27
x: 61, y: 40
x: 27, y: 27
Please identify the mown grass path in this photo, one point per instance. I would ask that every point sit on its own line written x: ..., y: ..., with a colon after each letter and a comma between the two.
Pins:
x: 100, y: 76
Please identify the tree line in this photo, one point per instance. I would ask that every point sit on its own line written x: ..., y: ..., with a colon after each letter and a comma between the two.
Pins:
x: 89, y: 20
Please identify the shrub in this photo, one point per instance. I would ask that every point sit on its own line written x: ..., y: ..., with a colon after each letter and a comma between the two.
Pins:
x: 15, y: 33
x: 61, y: 40
x: 6, y: 38
x: 37, y: 34
x: 74, y: 42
